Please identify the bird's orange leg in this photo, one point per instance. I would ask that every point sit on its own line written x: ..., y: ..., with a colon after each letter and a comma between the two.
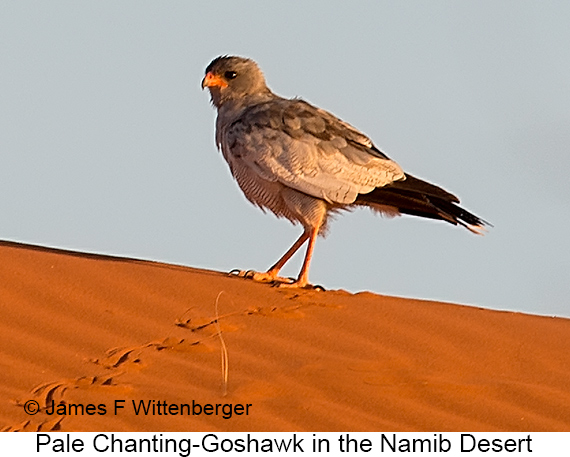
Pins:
x: 271, y: 275
x: 303, y: 279
x: 283, y: 260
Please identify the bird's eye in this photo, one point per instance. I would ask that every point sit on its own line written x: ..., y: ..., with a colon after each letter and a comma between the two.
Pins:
x: 230, y: 74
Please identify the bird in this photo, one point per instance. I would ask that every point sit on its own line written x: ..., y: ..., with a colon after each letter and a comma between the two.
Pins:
x: 304, y: 164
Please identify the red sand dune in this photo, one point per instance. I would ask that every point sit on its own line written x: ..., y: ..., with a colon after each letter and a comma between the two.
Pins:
x: 88, y: 329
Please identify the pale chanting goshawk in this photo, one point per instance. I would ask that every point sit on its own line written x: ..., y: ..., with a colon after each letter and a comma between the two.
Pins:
x: 304, y: 164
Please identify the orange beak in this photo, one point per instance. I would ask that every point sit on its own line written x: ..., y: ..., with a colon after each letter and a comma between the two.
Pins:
x: 212, y: 80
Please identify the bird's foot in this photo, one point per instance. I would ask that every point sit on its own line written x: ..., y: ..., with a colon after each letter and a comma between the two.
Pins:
x: 276, y: 281
x: 299, y: 285
x: 266, y: 277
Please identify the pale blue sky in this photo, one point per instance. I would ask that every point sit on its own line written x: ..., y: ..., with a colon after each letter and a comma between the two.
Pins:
x: 107, y: 141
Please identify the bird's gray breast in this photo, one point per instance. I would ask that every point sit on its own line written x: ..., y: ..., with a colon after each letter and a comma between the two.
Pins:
x: 239, y: 143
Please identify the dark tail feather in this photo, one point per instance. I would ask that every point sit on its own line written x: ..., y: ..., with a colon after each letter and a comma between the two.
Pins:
x: 419, y: 198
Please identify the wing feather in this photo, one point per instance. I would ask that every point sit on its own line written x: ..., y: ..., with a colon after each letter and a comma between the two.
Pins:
x: 307, y: 149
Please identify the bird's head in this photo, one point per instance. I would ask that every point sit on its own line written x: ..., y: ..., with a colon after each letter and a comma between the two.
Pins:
x: 233, y: 78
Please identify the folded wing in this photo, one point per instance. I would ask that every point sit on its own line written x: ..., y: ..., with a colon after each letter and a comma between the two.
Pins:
x: 307, y: 149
